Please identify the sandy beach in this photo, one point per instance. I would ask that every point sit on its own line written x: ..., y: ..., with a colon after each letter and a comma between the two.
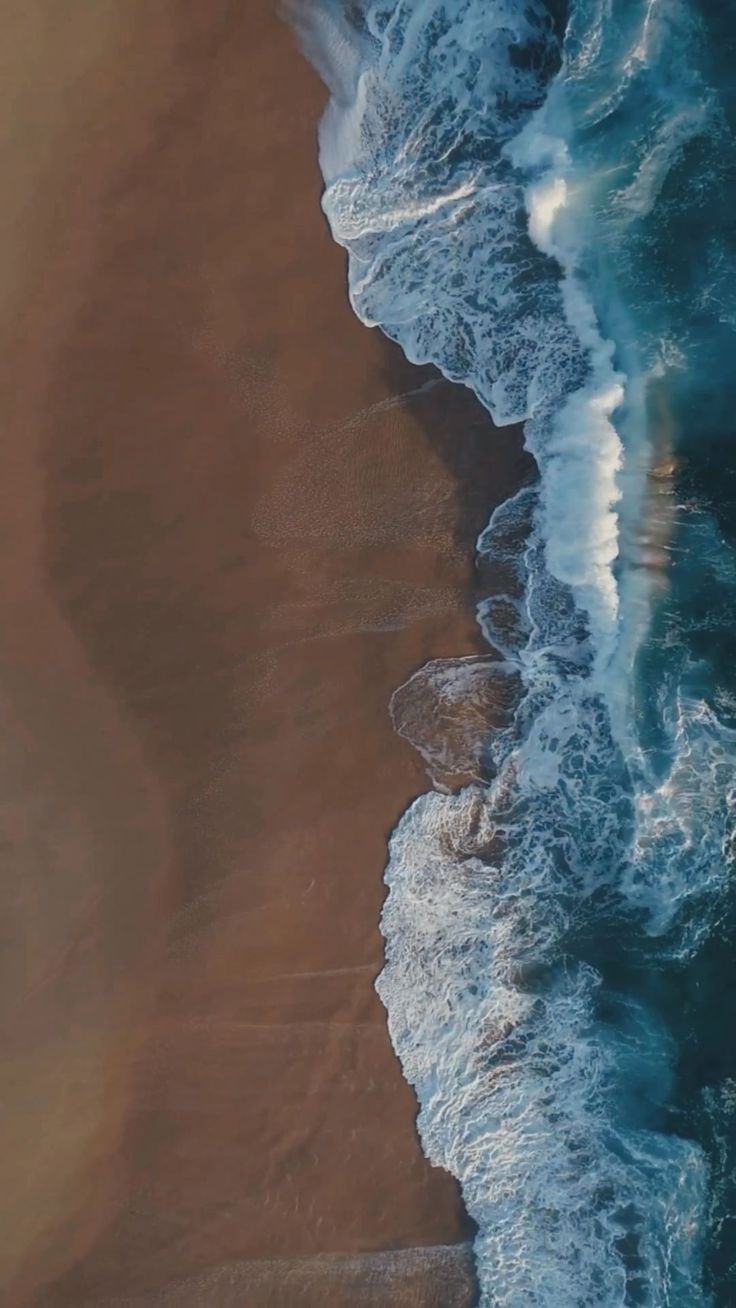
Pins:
x: 234, y: 520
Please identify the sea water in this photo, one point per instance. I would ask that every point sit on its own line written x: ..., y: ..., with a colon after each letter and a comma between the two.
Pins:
x: 540, y: 199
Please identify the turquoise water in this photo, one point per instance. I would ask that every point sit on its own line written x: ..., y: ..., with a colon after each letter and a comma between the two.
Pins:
x: 539, y: 199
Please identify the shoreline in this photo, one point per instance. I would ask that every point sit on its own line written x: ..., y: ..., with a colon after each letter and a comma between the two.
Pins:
x: 235, y: 534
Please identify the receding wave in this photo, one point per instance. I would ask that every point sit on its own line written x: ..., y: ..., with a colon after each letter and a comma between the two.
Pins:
x: 501, y: 176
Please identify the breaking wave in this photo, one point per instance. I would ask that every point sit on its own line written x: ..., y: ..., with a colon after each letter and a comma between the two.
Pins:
x: 504, y: 178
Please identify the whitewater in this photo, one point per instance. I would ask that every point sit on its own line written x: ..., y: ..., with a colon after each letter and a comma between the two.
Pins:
x: 494, y: 171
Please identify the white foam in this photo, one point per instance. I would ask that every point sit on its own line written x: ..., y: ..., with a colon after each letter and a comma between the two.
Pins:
x: 582, y: 455
x: 517, y: 1078
x: 453, y: 182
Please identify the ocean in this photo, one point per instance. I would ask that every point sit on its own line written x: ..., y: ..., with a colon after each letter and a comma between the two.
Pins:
x: 540, y: 199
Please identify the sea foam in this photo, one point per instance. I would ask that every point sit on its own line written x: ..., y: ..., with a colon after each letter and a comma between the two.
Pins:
x: 463, y: 152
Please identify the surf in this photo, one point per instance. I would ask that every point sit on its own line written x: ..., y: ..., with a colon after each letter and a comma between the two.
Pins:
x: 495, y: 173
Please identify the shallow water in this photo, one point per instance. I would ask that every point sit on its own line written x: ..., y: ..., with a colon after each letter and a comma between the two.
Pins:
x: 540, y: 201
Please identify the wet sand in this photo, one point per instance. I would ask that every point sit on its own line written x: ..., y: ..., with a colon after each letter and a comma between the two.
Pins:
x: 233, y: 521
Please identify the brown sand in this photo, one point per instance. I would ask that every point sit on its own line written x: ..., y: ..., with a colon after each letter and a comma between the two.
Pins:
x: 225, y: 541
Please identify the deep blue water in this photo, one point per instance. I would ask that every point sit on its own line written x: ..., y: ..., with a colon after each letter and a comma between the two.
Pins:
x: 540, y: 199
